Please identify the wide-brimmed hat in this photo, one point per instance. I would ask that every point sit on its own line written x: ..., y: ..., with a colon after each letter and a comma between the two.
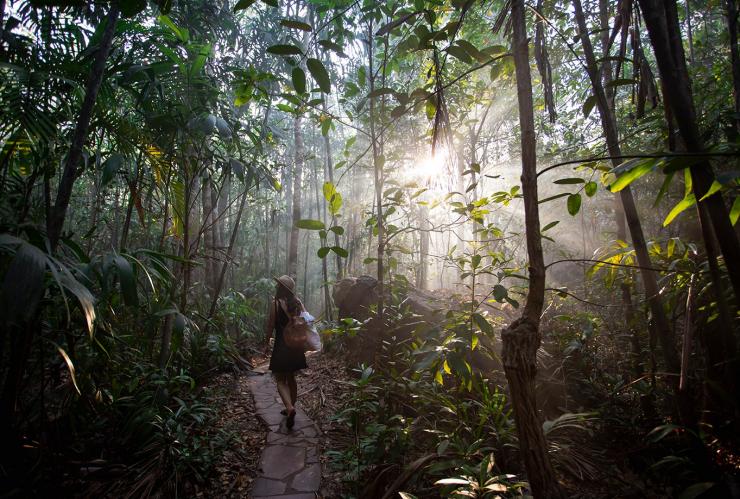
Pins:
x: 286, y: 281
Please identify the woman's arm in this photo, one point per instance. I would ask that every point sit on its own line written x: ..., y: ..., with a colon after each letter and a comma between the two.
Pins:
x: 270, y: 326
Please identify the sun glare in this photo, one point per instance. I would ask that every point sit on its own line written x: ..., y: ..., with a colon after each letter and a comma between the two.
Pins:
x: 429, y: 167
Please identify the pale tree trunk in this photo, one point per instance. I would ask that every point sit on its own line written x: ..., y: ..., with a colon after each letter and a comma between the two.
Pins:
x: 522, y: 338
x: 297, y: 180
x: 378, y: 179
x: 649, y: 278
x: 64, y: 192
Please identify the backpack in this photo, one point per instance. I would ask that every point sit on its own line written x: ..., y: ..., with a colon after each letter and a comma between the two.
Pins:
x: 300, y: 333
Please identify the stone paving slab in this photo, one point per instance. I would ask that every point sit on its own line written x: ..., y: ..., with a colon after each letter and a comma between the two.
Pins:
x: 289, y: 465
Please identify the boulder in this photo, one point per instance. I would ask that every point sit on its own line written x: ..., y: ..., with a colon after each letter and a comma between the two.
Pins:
x: 354, y: 296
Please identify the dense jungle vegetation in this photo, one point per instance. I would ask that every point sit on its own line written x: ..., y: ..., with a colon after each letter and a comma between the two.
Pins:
x: 516, y: 222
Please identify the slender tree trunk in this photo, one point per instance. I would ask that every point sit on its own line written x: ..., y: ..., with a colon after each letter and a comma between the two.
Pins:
x: 649, y: 278
x: 661, y: 19
x: 330, y: 176
x: 227, y: 259
x: 64, y: 192
x: 378, y: 180
x: 297, y: 180
x: 522, y: 338
x: 732, y: 19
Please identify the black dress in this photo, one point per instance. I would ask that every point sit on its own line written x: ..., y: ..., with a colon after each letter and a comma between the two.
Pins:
x: 284, y: 359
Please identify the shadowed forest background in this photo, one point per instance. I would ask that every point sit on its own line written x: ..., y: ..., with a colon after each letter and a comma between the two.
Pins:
x: 515, y: 221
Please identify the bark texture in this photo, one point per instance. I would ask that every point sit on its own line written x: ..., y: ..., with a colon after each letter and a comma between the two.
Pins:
x: 69, y: 175
x: 522, y: 339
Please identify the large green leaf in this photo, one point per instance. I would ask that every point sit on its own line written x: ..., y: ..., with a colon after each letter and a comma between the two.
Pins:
x: 310, y: 224
x: 298, y: 76
x: 735, y: 211
x: 684, y: 204
x: 631, y: 170
x: 340, y: 251
x: 110, y: 168
x: 293, y: 24
x: 23, y: 285
x: 128, y: 280
x: 569, y: 181
x: 284, y: 49
x: 574, y: 204
x: 319, y: 73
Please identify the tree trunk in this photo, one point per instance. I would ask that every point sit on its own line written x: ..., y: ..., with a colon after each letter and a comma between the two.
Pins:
x: 522, y: 338
x: 734, y: 55
x: 661, y: 19
x: 64, y: 192
x: 378, y: 180
x: 297, y: 180
x: 652, y: 293
x: 227, y: 258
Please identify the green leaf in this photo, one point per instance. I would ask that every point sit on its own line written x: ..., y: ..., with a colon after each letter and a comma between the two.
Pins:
x: 284, y: 49
x: 340, y: 251
x: 452, y: 481
x: 323, y: 251
x: 310, y: 224
x: 715, y: 187
x: 588, y: 105
x: 325, y: 127
x: 271, y: 3
x: 128, y: 280
x: 682, y: 205
x: 482, y: 323
x: 568, y: 181
x: 319, y: 73
x: 459, y: 53
x: 735, y: 211
x: 552, y: 198
x: 591, y: 188
x: 430, y: 108
x: 574, y: 204
x: 337, y: 229
x: 110, y: 168
x: 500, y: 293
x: 243, y: 4
x: 23, y: 283
x: 293, y: 24
x: 181, y: 34
x: 298, y: 76
x: 70, y: 367
x: 550, y: 226
x: 633, y: 169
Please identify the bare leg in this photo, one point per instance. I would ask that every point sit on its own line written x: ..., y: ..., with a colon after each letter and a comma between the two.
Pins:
x: 283, y: 388
x: 293, y: 385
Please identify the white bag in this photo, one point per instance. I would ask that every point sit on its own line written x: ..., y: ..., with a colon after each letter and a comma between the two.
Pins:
x: 314, y: 340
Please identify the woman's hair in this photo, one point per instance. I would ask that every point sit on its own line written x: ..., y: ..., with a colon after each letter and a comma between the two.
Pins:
x: 294, y: 304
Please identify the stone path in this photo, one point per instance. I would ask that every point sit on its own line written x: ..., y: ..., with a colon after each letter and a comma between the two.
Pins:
x: 289, y: 466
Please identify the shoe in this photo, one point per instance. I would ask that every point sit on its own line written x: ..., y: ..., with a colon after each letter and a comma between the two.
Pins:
x: 291, y: 419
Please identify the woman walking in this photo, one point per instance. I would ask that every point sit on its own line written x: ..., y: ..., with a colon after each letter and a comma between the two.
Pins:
x: 285, y: 361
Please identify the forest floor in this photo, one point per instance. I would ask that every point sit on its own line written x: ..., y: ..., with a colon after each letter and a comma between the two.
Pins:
x: 321, y: 391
